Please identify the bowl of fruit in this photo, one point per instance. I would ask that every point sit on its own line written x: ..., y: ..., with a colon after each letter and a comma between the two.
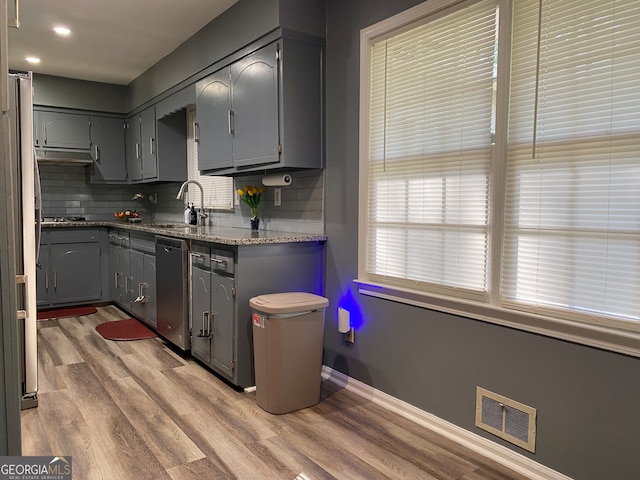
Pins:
x: 128, y: 216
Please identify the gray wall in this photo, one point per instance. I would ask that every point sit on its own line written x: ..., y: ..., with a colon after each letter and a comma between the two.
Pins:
x: 587, y: 399
x: 243, y: 23
x: 79, y: 94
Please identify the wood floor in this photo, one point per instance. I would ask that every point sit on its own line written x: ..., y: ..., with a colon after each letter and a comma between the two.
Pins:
x: 138, y: 410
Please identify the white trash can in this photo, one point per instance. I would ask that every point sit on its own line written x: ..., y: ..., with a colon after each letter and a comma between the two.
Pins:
x: 288, y: 331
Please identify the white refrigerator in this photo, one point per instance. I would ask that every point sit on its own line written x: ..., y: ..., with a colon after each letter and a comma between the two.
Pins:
x: 26, y: 207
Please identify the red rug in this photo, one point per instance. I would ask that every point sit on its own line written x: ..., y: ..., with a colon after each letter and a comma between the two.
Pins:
x: 65, y: 312
x: 129, y: 329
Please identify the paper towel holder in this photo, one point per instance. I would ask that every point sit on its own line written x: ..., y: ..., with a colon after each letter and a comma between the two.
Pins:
x: 277, y: 180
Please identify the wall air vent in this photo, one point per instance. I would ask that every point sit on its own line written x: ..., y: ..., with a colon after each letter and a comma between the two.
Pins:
x: 510, y: 420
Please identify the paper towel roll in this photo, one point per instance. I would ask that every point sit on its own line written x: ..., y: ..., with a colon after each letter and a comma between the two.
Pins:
x: 276, y: 180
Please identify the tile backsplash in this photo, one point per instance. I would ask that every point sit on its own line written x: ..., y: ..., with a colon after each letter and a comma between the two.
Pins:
x: 66, y: 191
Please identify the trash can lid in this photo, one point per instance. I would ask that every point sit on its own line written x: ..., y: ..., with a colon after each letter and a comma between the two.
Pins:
x: 289, y: 302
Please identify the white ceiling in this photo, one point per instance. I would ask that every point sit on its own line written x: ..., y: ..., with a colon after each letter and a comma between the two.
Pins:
x: 112, y: 41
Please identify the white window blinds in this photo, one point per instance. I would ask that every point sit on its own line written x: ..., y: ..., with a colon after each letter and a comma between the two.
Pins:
x: 218, y: 191
x: 572, y: 233
x: 432, y: 89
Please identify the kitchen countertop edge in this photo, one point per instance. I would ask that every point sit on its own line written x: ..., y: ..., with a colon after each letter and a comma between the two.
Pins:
x: 210, y: 234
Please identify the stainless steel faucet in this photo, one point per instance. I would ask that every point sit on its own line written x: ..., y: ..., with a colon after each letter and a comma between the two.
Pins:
x: 202, y: 215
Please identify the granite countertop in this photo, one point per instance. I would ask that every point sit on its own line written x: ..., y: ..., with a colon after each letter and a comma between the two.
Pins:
x: 212, y: 234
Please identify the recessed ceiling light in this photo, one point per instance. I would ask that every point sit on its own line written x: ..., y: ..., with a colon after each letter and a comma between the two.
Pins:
x: 32, y: 59
x: 62, y: 31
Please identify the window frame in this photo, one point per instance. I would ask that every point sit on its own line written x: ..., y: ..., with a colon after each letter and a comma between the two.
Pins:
x: 605, y: 333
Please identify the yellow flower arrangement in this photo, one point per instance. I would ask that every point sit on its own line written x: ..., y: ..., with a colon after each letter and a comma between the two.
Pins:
x: 250, y: 195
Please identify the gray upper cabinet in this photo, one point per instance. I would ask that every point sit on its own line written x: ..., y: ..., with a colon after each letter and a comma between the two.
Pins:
x: 254, y: 87
x: 61, y: 130
x: 107, y: 150
x: 156, y: 151
x: 148, y: 143
x: 213, y: 106
x: 133, y: 153
x: 262, y: 112
x: 141, y: 137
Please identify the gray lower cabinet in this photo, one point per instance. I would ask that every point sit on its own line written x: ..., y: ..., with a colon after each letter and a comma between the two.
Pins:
x: 143, y: 279
x: 263, y: 111
x: 120, y: 268
x: 223, y: 280
x: 70, y: 268
x: 213, y: 312
x: 107, y: 150
x: 132, y: 266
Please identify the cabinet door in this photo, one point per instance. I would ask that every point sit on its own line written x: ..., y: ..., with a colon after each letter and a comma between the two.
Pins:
x: 200, y: 308
x: 213, y: 106
x: 43, y: 277
x: 254, y: 101
x: 114, y: 272
x: 64, y: 130
x: 137, y: 284
x: 133, y: 149
x: 76, y: 272
x: 148, y: 130
x: 108, y: 151
x: 222, y: 324
x: 150, y: 289
x: 125, y: 291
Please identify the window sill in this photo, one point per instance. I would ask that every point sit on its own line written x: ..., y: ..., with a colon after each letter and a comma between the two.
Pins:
x: 604, y: 337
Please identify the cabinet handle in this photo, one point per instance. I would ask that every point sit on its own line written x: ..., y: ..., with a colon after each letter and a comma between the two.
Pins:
x: 126, y: 284
x: 230, y: 119
x: 151, y: 146
x: 141, y: 298
x: 197, y: 132
x: 137, y: 150
x: 45, y: 134
x: 205, y: 332
x: 115, y: 280
x: 55, y: 280
x: 97, y: 154
x: 46, y: 281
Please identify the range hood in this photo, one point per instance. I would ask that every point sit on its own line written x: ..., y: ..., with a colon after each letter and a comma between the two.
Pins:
x: 64, y: 158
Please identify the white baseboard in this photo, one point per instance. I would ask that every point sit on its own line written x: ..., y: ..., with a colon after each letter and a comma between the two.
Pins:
x: 510, y: 459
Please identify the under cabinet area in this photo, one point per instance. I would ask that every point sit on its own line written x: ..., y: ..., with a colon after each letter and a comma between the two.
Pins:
x: 70, y: 268
x: 262, y: 111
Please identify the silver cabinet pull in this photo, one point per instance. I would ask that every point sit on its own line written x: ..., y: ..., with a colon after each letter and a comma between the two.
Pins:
x: 205, y: 332
x: 230, y: 119
x: 115, y: 280
x: 197, y: 132
x: 137, y: 150
x: 141, y: 298
x: 97, y: 154
x: 55, y: 280
x: 151, y: 146
x: 46, y: 281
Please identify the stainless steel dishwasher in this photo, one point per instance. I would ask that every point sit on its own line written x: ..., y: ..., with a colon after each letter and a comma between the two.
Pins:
x: 172, y: 290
